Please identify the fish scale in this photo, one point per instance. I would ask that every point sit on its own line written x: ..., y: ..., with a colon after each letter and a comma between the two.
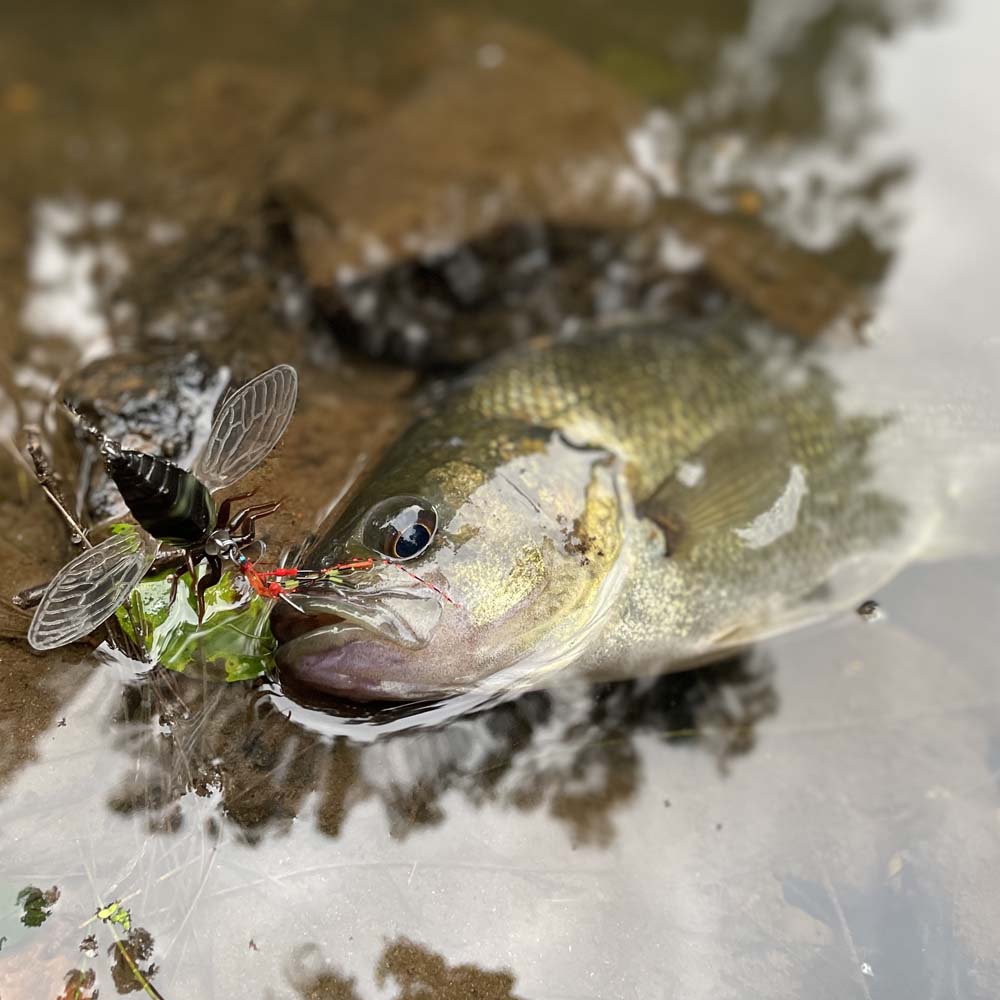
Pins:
x: 657, y: 397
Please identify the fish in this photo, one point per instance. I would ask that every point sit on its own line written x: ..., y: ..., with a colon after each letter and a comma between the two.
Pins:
x: 642, y: 498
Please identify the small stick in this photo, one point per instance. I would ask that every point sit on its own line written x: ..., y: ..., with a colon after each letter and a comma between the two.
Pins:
x: 30, y: 597
x: 49, y: 483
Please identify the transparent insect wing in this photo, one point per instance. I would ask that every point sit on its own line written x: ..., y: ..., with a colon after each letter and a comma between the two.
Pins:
x: 86, y: 592
x: 249, y: 424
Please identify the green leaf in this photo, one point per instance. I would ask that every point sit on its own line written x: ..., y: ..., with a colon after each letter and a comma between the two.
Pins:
x: 37, y: 905
x: 233, y: 642
x: 115, y: 913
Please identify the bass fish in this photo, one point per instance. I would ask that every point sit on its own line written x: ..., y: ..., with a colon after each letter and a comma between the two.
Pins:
x: 637, y: 500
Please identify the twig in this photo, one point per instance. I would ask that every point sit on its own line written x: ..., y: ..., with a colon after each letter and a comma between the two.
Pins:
x: 30, y: 597
x: 146, y: 985
x: 49, y: 483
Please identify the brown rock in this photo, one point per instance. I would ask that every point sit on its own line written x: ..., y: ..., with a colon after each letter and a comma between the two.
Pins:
x: 793, y: 288
x: 508, y: 126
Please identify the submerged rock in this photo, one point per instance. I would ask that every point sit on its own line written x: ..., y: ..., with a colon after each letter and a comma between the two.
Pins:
x: 517, y: 191
x: 508, y: 126
x: 516, y: 281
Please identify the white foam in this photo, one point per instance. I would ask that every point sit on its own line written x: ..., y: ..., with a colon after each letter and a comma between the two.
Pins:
x: 71, y: 273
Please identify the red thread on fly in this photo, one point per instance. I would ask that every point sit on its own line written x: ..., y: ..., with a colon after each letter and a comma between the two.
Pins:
x: 269, y: 583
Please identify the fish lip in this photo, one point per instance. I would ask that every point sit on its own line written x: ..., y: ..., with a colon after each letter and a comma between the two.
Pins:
x: 352, y: 614
x: 340, y: 685
x: 307, y: 675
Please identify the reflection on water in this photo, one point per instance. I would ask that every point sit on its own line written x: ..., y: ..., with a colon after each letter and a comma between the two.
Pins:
x: 817, y: 820
x: 569, y: 752
x: 411, y: 970
x: 859, y: 823
x: 205, y: 767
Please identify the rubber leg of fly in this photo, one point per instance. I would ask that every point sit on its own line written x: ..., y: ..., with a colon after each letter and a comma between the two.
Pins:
x: 212, y: 576
x: 175, y: 579
x: 249, y: 532
x: 192, y: 569
x: 222, y: 518
x: 261, y: 510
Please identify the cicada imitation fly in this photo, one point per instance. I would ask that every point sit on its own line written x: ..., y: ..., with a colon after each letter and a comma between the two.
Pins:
x: 174, y: 506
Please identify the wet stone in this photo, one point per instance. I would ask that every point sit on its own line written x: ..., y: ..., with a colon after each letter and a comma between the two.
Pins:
x: 438, y: 253
x: 229, y: 289
x: 160, y: 404
x: 539, y: 134
x: 517, y: 281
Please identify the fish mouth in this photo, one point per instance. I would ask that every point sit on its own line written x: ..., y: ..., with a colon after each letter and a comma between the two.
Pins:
x: 336, y: 615
x: 355, y: 646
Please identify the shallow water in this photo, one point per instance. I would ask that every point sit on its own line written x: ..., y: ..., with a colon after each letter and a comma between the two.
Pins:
x: 819, y: 818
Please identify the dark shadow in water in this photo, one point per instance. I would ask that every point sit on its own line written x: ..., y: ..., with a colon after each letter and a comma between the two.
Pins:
x: 570, y: 752
x: 412, y: 970
x: 522, y: 279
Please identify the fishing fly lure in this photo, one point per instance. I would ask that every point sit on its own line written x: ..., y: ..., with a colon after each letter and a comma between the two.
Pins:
x: 173, y: 506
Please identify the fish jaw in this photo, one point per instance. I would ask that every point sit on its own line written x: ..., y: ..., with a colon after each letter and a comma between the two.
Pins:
x: 351, y: 662
x: 369, y: 646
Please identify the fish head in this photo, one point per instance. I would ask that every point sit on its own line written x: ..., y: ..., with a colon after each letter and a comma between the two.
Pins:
x: 486, y: 546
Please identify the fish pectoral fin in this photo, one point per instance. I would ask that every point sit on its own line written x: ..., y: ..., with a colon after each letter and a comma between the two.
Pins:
x: 734, y: 479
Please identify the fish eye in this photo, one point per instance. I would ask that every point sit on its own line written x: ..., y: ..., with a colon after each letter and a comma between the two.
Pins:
x: 400, y: 527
